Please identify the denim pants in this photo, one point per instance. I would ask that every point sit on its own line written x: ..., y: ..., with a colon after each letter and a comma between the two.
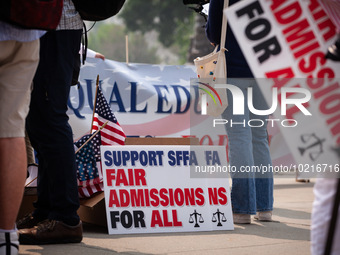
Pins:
x: 252, y: 191
x: 48, y: 128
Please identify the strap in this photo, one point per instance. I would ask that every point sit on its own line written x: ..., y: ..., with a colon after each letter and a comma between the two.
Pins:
x: 84, y: 44
x: 224, y: 26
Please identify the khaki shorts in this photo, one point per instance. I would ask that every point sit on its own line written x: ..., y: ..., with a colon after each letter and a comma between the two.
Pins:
x: 18, y: 63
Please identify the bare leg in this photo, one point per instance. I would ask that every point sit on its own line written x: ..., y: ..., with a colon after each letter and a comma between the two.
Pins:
x: 13, y: 166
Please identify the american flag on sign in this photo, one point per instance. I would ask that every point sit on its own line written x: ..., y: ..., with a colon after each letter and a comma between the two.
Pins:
x: 89, y: 173
x: 112, y: 133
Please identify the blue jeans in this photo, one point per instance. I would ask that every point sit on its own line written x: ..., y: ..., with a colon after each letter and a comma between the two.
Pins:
x: 248, y: 146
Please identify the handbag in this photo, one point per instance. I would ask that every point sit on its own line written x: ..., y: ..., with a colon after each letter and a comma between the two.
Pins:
x: 37, y: 14
x: 211, y: 70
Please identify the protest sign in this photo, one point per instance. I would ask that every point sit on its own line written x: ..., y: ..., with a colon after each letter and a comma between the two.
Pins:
x: 284, y: 43
x: 158, y: 189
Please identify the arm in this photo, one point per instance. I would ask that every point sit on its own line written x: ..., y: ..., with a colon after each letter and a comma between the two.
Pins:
x: 93, y: 54
x: 214, y: 24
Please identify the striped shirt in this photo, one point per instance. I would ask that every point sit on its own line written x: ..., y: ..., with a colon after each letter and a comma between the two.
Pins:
x: 70, y: 18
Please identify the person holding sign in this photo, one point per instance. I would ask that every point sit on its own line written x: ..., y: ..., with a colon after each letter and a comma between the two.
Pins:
x: 332, y: 8
x: 325, y: 189
x: 252, y: 191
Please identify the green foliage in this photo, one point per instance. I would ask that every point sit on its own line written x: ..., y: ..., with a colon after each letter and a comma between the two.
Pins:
x: 172, y: 20
x: 109, y: 39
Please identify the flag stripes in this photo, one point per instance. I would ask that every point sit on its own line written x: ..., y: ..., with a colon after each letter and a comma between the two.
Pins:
x: 89, y: 170
x: 112, y: 133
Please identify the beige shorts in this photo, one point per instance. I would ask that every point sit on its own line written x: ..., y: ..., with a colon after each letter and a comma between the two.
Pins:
x: 18, y: 63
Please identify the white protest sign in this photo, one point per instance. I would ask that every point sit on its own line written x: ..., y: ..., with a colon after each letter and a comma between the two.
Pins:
x: 151, y: 189
x: 284, y: 43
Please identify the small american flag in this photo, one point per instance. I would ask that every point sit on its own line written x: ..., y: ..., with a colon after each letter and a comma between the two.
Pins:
x: 89, y: 174
x: 112, y: 133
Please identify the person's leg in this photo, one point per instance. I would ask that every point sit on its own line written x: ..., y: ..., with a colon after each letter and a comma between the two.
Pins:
x: 240, y: 154
x: 12, y: 182
x: 261, y: 154
x: 18, y: 62
x: 52, y: 136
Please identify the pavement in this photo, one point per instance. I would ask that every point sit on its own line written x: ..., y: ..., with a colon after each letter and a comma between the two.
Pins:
x: 289, y: 233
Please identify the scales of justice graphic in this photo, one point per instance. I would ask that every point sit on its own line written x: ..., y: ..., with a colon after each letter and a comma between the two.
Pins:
x: 196, y: 218
x: 219, y: 218
x: 314, y: 145
x: 193, y: 218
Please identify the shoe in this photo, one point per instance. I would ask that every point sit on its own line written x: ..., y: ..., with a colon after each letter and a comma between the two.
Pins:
x: 9, y: 243
x: 28, y: 221
x: 51, y: 232
x: 333, y: 52
x: 264, y: 216
x: 302, y: 180
x: 241, y: 218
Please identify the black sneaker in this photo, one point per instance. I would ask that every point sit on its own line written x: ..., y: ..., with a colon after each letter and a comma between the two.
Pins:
x: 51, y: 232
x: 9, y: 244
x: 28, y: 221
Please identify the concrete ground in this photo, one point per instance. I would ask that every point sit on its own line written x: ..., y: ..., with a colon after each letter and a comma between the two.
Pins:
x: 288, y: 234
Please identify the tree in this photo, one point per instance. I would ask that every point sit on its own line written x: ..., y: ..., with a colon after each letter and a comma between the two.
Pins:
x: 172, y: 20
x: 109, y: 39
x: 199, y: 45
x: 178, y: 29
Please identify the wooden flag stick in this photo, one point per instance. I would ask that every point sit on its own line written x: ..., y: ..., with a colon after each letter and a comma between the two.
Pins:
x: 31, y: 182
x: 78, y: 148
x: 95, y: 101
x: 127, y: 49
x: 94, y: 134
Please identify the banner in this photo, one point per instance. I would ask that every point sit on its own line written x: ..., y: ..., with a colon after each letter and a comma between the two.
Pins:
x: 284, y: 43
x: 164, y: 189
x: 152, y: 100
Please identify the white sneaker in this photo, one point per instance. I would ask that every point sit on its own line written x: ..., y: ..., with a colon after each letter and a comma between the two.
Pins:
x: 240, y: 218
x: 9, y: 243
x: 264, y: 216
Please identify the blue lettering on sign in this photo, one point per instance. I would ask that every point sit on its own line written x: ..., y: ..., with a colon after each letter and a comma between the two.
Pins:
x: 80, y: 103
x: 196, y: 102
x: 134, y: 99
x: 90, y: 93
x: 212, y: 158
x: 108, y: 158
x: 163, y: 104
x: 118, y: 101
x: 185, y: 158
x: 179, y: 101
x: 162, y: 98
x: 131, y: 158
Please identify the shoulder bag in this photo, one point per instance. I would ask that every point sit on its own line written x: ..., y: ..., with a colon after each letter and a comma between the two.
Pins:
x: 211, y: 70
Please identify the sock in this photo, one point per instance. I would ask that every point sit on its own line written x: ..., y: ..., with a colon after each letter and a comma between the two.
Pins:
x: 9, y: 242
